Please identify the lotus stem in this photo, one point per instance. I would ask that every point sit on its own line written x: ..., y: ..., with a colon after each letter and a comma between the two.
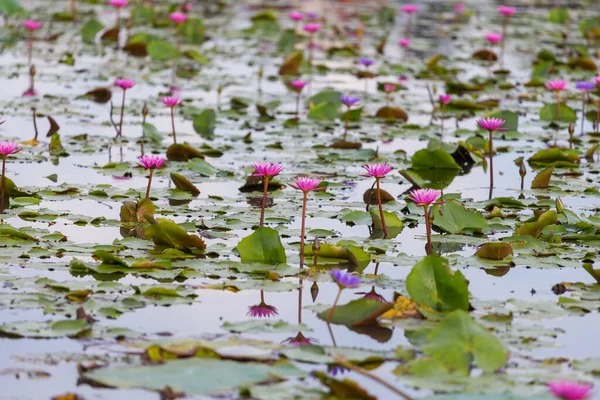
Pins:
x: 35, y: 128
x: 298, y: 105
x: 73, y: 10
x: 428, y: 228
x: 504, y: 26
x: 173, y: 124
x: 264, y: 200
x: 346, y: 123
x: 149, y: 183
x: 2, y: 184
x: 558, y: 104
x: 491, y: 141
x: 582, y: 111
x: 443, y: 110
x: 346, y: 364
x: 337, y: 298
x: 30, y: 48
x: 303, y: 229
x: 120, y: 133
x: 383, y: 225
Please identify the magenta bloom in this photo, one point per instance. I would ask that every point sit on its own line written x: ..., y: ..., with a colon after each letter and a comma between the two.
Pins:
x: 389, y: 87
x: 30, y: 93
x: 404, y: 42
x: 119, y: 3
x: 345, y: 280
x: 296, y: 16
x: 299, y: 340
x: 445, y: 98
x: 557, y: 85
x: 9, y: 148
x: 409, y: 8
x: 171, y: 101
x: 493, y: 38
x: 312, y: 15
x: 312, y: 27
x: 125, y: 83
x: 187, y: 6
x: 378, y: 170
x: 492, y: 124
x: 570, y: 390
x: 423, y: 197
x: 459, y: 8
x: 372, y: 295
x: 32, y: 25
x: 507, y: 11
x: 262, y: 310
x: 150, y: 162
x: 597, y: 80
x: 178, y: 17
x: 349, y: 100
x: 306, y: 184
x: 267, y: 169
x: 298, y: 85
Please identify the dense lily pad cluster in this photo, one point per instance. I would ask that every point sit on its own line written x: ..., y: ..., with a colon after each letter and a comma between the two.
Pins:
x: 299, y: 200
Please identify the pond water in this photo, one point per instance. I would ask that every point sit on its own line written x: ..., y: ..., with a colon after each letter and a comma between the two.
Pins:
x: 66, y: 253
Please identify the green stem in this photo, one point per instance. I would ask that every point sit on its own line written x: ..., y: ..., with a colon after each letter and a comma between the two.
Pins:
x: 303, y: 229
x: 491, y: 141
x: 264, y: 200
x: 337, y: 298
x: 346, y: 125
x: 428, y: 229
x: 149, y: 183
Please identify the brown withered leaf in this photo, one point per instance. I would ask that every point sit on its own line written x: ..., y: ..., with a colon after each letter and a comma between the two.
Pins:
x: 138, y: 49
x: 99, y: 95
x: 53, y: 126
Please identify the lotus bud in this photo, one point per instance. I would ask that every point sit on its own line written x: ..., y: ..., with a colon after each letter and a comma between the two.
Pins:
x: 32, y: 70
x: 314, y: 291
x: 522, y: 169
x: 560, y: 206
x: 316, y: 247
x: 145, y: 110
x: 571, y: 128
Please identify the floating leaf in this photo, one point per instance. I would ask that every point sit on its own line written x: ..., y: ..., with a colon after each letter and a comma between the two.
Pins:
x: 204, y: 124
x: 160, y: 50
x: 90, y: 29
x: 542, y: 180
x: 357, y: 312
x: 263, y: 246
x: 550, y: 113
x: 164, y: 232
x: 495, y: 251
x: 452, y: 217
x: 183, y: 183
x: 535, y: 228
x: 99, y: 95
x: 433, y: 284
x: 392, y: 113
x: 554, y: 156
x: 291, y: 64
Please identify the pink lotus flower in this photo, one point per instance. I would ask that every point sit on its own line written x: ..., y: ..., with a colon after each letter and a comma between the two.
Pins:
x: 570, y: 390
x: 507, y: 11
x: 262, y: 310
x: 119, y: 3
x: 409, y: 8
x: 597, y: 80
x: 125, y: 83
x: 299, y: 340
x: 422, y: 197
x: 298, y: 85
x: 557, y: 85
x: 171, y: 101
x: 296, y: 16
x: 312, y: 27
x: 9, y: 148
x: 445, y: 98
x: 306, y: 184
x: 30, y: 93
x: 32, y: 25
x: 187, y: 6
x: 378, y: 170
x: 492, y: 124
x: 178, y: 17
x: 150, y: 162
x: 267, y: 169
x: 389, y: 87
x: 404, y: 42
x: 459, y: 8
x: 493, y: 38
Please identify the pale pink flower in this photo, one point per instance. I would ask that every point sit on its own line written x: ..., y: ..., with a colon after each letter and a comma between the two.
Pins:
x: 389, y: 87
x: 557, y: 85
x: 570, y: 390
x: 492, y: 124
x: 171, y: 101
x: 493, y: 38
x: 8, y: 148
x: 306, y: 184
x: 32, y: 25
x: 423, y: 197
x: 267, y: 169
x: 459, y: 8
x: 445, y: 98
x: 296, y: 16
x: 187, y: 6
x: 150, y: 162
x: 299, y: 340
x: 298, y: 85
x: 409, y: 8
x: 125, y: 83
x: 119, y: 3
x: 597, y: 80
x: 312, y: 27
x: 178, y: 17
x: 404, y: 42
x: 262, y: 310
x: 378, y: 170
x: 507, y: 11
